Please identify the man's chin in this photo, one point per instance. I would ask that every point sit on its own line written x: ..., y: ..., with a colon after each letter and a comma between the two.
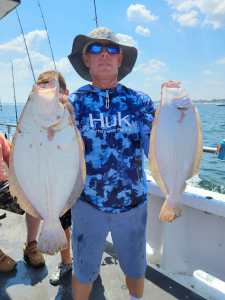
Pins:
x: 106, y: 74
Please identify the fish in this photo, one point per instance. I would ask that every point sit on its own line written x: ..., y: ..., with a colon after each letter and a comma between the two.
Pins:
x: 175, y: 146
x: 46, y: 165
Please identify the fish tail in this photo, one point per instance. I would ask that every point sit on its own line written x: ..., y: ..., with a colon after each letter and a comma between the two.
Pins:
x: 52, y: 237
x: 174, y: 201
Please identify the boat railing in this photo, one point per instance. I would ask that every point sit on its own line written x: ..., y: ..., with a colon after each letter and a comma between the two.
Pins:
x: 9, y: 128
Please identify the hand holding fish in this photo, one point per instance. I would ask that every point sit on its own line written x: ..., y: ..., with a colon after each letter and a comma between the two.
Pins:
x: 171, y: 84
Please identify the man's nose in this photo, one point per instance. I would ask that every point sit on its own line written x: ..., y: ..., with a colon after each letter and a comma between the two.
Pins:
x: 104, y: 52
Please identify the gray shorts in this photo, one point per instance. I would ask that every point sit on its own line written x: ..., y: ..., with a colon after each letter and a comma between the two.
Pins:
x: 90, y: 229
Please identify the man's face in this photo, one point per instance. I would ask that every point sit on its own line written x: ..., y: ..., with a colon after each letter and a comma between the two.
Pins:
x: 105, y: 63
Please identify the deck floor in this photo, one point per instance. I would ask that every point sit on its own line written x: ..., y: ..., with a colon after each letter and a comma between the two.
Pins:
x: 26, y: 283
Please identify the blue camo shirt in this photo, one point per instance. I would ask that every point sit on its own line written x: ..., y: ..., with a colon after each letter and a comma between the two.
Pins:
x: 115, y: 125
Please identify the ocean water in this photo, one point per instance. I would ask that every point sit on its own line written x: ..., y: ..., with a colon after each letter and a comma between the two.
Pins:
x: 212, y: 170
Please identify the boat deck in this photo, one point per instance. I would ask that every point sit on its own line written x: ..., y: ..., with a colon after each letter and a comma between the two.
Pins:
x: 26, y: 283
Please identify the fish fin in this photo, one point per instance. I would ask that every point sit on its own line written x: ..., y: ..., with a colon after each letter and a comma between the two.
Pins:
x: 52, y: 237
x: 153, y: 163
x: 168, y: 213
x: 14, y: 186
x: 80, y: 179
x: 194, y: 169
x: 16, y: 190
x: 199, y: 150
x: 83, y: 164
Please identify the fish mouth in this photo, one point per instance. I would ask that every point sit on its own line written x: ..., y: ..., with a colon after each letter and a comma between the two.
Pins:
x: 182, y: 108
x: 47, y: 95
x: 182, y: 103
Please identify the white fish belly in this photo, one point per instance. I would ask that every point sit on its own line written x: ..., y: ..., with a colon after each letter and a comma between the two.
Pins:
x: 47, y: 170
x: 176, y: 144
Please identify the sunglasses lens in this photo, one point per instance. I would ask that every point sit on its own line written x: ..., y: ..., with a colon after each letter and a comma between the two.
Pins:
x: 94, y: 48
x: 113, y: 49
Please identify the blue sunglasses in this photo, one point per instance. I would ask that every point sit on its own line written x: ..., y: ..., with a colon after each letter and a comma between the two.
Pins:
x: 97, y: 48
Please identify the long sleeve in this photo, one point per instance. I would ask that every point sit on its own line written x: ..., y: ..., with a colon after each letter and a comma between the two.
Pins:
x: 73, y: 99
x: 146, y: 114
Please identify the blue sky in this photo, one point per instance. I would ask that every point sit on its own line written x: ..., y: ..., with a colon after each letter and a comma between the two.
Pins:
x: 176, y: 39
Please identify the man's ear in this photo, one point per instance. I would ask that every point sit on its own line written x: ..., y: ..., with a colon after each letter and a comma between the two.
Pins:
x: 120, y: 59
x: 86, y: 60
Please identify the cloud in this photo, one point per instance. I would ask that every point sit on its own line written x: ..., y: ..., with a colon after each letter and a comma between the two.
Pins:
x: 139, y: 13
x: 209, y: 12
x: 151, y: 67
x: 221, y: 61
x: 126, y: 39
x: 182, y: 5
x: 188, y: 19
x: 33, y: 40
x: 143, y: 31
x: 207, y: 72
x: 14, y: 50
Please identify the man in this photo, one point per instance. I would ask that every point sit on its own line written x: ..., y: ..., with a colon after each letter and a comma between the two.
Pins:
x: 220, y: 149
x: 31, y: 254
x: 115, y: 124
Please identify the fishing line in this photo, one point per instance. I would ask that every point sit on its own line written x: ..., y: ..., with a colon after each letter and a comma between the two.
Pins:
x: 96, y: 17
x: 24, y: 39
x: 14, y: 93
x: 46, y: 29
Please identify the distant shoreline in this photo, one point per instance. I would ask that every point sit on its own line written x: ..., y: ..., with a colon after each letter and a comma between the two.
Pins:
x: 213, y: 101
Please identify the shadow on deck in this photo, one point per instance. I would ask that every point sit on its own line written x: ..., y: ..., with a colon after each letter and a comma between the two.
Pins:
x: 26, y: 283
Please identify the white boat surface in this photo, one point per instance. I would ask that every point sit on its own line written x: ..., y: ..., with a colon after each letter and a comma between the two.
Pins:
x: 185, y: 258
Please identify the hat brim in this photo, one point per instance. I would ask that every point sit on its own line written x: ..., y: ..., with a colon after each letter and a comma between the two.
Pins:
x: 76, y: 57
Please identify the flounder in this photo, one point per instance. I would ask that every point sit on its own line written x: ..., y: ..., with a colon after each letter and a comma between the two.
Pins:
x: 175, y: 146
x: 47, y: 169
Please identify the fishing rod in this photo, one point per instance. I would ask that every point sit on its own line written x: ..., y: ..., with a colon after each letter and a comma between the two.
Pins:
x: 14, y: 93
x: 46, y: 29
x: 24, y: 39
x: 96, y: 17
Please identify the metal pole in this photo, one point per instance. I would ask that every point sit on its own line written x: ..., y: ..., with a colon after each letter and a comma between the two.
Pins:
x: 14, y: 94
x: 209, y: 149
x: 21, y: 28
x: 45, y: 25
x: 96, y: 18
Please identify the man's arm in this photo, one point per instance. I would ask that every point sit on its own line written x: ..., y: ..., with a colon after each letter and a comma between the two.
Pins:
x: 73, y: 100
x: 5, y: 148
x: 147, y: 113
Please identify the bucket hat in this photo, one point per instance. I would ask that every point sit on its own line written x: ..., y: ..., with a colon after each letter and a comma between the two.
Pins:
x: 101, y: 34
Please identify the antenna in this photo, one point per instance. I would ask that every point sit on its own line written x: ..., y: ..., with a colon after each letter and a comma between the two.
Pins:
x: 96, y: 17
x: 45, y: 25
x: 14, y: 93
x: 21, y: 28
